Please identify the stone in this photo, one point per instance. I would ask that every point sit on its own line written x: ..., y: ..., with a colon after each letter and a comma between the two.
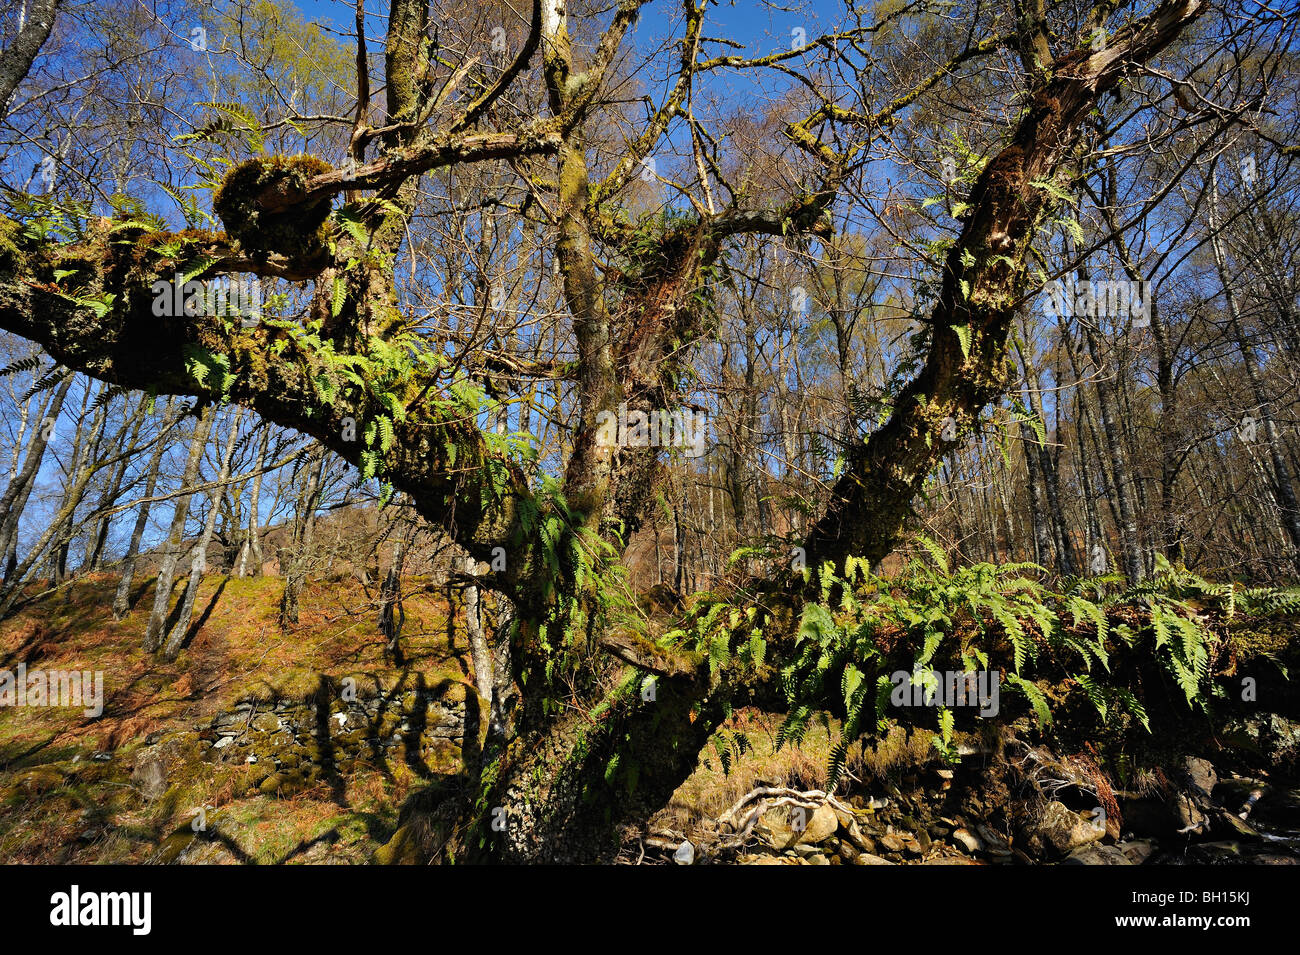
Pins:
x: 1139, y: 850
x: 967, y: 840
x: 1065, y: 830
x: 891, y: 842
x: 860, y: 839
x: 150, y: 777
x: 867, y: 858
x: 1201, y: 776
x: 1097, y: 855
x: 1187, y: 815
x: 821, y: 825
x: 266, y: 723
x: 1231, y: 827
x: 685, y: 854
x: 778, y: 826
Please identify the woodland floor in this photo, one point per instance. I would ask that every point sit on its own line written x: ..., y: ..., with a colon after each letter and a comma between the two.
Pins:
x: 67, y: 789
x: 71, y: 790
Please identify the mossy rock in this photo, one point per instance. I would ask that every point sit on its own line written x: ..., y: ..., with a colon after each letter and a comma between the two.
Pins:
x: 402, y: 849
x: 174, y: 845
x: 35, y: 782
x: 260, y: 771
x: 289, y: 759
x: 241, y: 201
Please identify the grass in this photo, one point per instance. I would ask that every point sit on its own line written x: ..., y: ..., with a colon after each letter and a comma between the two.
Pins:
x: 63, y: 804
x: 712, y: 789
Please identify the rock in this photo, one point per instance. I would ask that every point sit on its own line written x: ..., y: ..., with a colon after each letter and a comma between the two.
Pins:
x: 992, y: 839
x: 1188, y: 817
x: 1231, y: 827
x: 1139, y: 850
x: 890, y: 842
x: 818, y: 859
x: 1097, y: 855
x: 1201, y: 776
x: 150, y: 777
x: 1211, y: 853
x: 223, y: 742
x: 821, y: 825
x: 1064, y: 830
x: 685, y: 854
x: 775, y: 829
x: 859, y: 839
x: 784, y: 827
x: 868, y: 859
x: 402, y: 849
x: 266, y: 722
x: 968, y: 840
x: 1270, y: 735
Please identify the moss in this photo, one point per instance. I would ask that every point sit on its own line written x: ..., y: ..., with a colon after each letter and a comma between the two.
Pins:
x: 11, y: 256
x: 261, y: 201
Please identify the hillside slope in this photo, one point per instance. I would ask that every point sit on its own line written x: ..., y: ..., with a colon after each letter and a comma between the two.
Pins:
x: 111, y: 789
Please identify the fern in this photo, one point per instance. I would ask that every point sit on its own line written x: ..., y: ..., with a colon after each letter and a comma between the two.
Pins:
x: 30, y: 363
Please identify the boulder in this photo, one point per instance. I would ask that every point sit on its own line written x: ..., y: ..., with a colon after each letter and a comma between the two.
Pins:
x: 821, y: 825
x: 1064, y: 830
x: 784, y: 827
x: 150, y: 777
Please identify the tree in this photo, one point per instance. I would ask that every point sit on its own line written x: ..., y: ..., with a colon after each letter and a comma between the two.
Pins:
x: 640, y: 278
